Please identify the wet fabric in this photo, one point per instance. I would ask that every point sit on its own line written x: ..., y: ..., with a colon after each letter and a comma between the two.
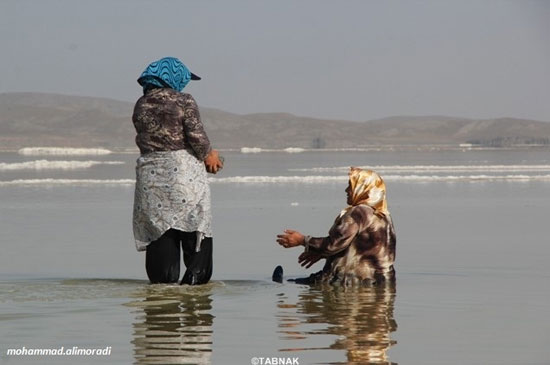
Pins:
x: 171, y: 191
x: 360, y: 246
x: 163, y: 257
x: 166, y: 72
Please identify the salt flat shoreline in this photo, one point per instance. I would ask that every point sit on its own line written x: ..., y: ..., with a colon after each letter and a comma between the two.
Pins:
x: 371, y: 148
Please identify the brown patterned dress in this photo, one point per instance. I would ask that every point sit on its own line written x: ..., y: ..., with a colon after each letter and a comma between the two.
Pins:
x: 167, y: 120
x: 360, y: 248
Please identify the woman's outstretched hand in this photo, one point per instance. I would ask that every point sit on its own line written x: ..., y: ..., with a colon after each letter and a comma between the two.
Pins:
x: 290, y: 238
x: 212, y: 162
x: 307, y: 259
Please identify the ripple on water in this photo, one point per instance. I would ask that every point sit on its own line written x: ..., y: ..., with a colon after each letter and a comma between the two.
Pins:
x: 50, y: 290
x: 173, y: 324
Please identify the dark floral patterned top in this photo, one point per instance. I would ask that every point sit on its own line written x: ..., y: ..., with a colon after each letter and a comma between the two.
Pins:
x: 360, y: 246
x: 168, y: 120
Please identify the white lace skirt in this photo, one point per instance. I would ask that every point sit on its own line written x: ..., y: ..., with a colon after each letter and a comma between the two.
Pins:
x: 172, y: 191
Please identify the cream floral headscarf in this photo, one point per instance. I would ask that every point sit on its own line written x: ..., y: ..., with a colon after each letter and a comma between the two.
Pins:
x: 367, y: 187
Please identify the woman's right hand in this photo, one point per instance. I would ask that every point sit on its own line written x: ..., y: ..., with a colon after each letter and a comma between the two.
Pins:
x: 290, y: 238
x: 212, y: 162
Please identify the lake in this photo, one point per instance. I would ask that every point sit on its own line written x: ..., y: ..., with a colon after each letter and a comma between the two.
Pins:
x: 472, y: 262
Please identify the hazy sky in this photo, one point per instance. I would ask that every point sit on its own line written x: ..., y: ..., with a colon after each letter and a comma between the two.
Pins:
x: 356, y: 60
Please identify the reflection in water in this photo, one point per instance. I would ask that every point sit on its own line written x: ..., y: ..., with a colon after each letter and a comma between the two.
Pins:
x: 360, y: 317
x: 173, y: 325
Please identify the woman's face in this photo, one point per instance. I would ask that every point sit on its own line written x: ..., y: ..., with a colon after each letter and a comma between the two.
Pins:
x: 348, y: 193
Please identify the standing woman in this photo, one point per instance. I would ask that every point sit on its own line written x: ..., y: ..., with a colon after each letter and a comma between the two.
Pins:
x: 172, y: 196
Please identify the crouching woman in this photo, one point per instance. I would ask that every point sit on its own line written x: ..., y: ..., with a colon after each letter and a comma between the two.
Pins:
x: 360, y: 246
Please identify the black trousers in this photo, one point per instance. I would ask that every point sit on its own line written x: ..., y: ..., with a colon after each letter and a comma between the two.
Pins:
x: 162, y: 259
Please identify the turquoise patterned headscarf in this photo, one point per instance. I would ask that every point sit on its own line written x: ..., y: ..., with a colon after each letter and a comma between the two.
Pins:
x: 166, y: 72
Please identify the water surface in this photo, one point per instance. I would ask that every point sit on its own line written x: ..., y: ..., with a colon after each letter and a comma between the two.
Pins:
x: 472, y: 273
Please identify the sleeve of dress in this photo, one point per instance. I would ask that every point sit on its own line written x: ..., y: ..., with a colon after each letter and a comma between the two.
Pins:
x: 339, y: 236
x: 194, y: 130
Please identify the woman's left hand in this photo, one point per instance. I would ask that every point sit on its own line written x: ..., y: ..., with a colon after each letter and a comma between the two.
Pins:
x: 213, y: 162
x: 290, y: 238
x: 307, y: 259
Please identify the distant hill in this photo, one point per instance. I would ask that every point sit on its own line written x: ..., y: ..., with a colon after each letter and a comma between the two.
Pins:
x: 36, y: 119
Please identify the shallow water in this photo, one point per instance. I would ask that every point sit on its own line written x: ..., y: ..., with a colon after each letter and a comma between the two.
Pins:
x: 472, y: 273
x: 221, y: 322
